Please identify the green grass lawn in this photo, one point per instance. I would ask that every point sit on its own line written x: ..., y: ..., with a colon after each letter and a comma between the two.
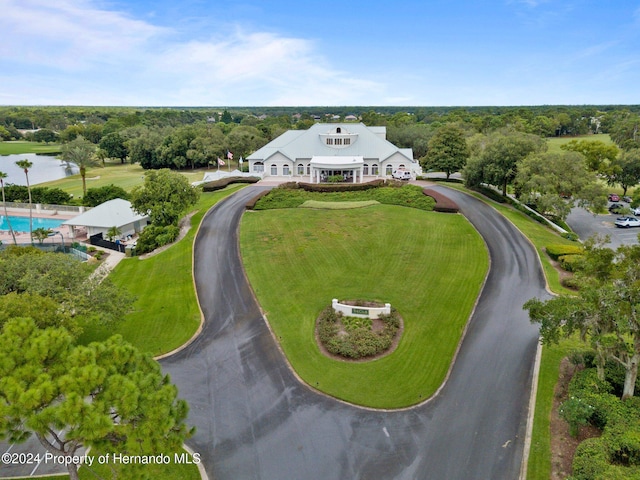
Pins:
x: 430, y: 266
x: 126, y: 176
x: 539, y: 465
x: 554, y: 143
x: 166, y: 313
x: 20, y: 146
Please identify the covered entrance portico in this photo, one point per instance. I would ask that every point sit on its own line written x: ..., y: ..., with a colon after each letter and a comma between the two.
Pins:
x: 323, y: 167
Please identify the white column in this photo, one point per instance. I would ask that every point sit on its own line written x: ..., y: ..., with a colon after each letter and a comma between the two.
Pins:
x: 355, y: 175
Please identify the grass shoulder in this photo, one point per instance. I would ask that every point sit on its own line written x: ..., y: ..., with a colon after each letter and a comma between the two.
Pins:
x: 166, y: 313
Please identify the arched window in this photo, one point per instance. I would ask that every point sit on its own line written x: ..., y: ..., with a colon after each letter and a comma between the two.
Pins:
x: 258, y: 167
x: 389, y: 170
x: 274, y: 170
x: 401, y: 166
x: 300, y: 169
x: 308, y: 169
x: 285, y: 169
x: 338, y: 130
x: 374, y: 169
x: 365, y: 169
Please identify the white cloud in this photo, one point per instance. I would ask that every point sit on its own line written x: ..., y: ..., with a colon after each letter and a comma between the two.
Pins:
x: 113, y: 54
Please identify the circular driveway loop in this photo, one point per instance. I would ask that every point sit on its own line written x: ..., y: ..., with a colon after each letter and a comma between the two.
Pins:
x: 255, y: 420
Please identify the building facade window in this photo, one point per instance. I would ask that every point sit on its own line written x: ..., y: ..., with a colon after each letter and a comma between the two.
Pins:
x: 285, y: 169
x: 374, y: 169
x: 300, y: 169
x: 365, y: 169
x: 308, y: 169
x: 347, y: 141
x: 274, y: 170
x: 401, y: 166
x: 258, y: 167
x: 329, y: 141
x: 389, y: 170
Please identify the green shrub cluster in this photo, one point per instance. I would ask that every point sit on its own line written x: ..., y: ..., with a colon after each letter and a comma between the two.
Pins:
x: 354, y: 338
x: 571, y: 263
x: 555, y: 251
x: 406, y: 195
x: 154, y: 236
x: 45, y: 195
x: 339, y: 187
x: 615, y: 454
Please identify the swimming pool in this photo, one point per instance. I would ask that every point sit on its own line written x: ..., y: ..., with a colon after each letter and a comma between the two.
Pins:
x: 21, y: 224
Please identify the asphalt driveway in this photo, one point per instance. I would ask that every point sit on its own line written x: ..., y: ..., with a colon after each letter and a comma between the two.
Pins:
x: 256, y: 420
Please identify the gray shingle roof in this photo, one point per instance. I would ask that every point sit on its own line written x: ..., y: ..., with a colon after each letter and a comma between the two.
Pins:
x: 296, y: 144
x: 114, y: 213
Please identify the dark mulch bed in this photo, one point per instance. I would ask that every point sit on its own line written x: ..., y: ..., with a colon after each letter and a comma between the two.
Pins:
x: 443, y: 204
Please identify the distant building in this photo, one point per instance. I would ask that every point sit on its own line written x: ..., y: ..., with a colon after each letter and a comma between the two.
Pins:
x: 355, y: 151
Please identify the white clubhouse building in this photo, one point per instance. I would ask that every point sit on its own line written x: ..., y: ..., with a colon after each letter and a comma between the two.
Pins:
x: 355, y: 151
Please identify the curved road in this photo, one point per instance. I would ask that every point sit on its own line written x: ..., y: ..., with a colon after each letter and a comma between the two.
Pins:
x: 255, y: 420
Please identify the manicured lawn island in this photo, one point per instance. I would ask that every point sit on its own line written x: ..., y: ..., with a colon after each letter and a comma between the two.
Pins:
x: 429, y: 266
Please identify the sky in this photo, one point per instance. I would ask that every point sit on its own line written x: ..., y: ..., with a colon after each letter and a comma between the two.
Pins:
x: 319, y: 53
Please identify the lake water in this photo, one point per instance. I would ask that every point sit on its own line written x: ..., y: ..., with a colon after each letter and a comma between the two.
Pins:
x: 45, y: 168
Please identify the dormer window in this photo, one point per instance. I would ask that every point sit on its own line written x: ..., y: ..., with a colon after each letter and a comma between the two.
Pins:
x: 339, y: 138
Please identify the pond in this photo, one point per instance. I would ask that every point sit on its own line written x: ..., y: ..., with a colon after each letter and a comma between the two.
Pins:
x: 45, y: 168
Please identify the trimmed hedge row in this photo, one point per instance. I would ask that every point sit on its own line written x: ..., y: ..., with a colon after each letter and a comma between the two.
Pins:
x: 443, y: 203
x: 337, y: 187
x: 404, y: 195
x: 555, y: 251
x: 223, y: 182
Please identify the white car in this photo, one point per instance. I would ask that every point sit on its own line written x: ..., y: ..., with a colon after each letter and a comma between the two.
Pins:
x: 401, y: 174
x: 626, y: 222
x: 636, y: 211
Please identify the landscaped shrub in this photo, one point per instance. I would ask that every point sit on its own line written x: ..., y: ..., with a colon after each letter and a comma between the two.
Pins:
x: 590, y: 461
x: 353, y: 337
x: 407, y: 195
x: 339, y: 187
x: 251, y: 204
x: 443, y: 203
x: 571, y: 263
x: 153, y: 237
x: 555, y: 251
x: 223, y: 182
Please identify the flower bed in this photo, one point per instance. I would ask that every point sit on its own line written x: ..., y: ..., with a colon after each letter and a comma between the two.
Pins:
x: 357, y: 338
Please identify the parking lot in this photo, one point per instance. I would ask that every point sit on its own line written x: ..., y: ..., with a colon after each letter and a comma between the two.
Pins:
x: 585, y: 224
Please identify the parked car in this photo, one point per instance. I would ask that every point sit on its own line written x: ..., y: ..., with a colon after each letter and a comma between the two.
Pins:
x: 626, y: 199
x: 614, y: 197
x: 635, y: 211
x: 627, y: 222
x: 401, y: 174
x: 615, y: 207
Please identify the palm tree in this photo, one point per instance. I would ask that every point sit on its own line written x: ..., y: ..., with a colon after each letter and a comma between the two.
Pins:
x: 81, y: 152
x: 26, y: 165
x: 6, y: 215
